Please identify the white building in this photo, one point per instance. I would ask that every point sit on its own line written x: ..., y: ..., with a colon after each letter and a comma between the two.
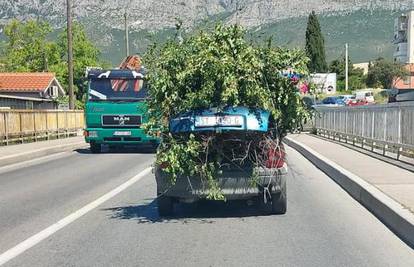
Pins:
x: 404, y: 38
x: 363, y: 66
x: 325, y: 82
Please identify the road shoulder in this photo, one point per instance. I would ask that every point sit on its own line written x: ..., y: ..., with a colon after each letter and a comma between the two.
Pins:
x: 372, y: 187
x: 23, y: 152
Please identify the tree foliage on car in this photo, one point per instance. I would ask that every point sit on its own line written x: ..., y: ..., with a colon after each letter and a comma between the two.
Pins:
x: 217, y: 69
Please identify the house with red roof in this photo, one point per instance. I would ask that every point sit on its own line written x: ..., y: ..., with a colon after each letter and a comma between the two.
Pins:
x: 29, y: 90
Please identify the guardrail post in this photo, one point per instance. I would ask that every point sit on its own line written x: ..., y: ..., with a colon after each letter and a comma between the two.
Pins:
x: 399, y: 152
x: 57, y: 124
x: 47, y: 125
x: 34, y: 126
x: 363, y: 125
x: 353, y: 125
x: 346, y: 123
x: 21, y: 127
x: 399, y: 125
x: 6, y: 127
x: 385, y: 125
x: 373, y: 125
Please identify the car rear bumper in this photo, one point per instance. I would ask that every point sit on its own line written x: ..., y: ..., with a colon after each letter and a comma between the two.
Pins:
x: 234, y: 185
x: 113, y: 136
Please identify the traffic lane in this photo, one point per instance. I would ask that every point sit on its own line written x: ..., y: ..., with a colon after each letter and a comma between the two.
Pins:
x: 35, y: 196
x: 324, y: 226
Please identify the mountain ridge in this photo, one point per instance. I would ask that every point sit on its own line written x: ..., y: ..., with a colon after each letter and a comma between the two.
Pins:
x: 159, y: 14
x: 154, y: 20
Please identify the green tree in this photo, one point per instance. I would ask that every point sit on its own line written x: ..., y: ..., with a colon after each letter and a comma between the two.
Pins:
x: 315, y: 45
x: 356, y: 76
x: 217, y: 69
x: 383, y: 73
x: 85, y: 54
x: 27, y: 47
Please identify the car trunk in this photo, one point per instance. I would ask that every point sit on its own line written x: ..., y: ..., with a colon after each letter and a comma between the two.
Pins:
x: 247, y: 161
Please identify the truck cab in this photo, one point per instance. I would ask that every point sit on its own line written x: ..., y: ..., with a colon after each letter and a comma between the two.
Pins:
x: 116, y: 108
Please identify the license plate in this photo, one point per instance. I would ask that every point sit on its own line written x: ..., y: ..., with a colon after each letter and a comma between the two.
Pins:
x: 211, y: 121
x: 122, y: 133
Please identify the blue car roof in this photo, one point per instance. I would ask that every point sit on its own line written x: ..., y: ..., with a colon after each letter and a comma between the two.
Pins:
x: 227, y: 119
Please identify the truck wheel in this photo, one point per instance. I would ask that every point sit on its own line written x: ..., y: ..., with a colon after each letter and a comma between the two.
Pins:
x: 165, y: 206
x: 95, y: 148
x: 279, y: 200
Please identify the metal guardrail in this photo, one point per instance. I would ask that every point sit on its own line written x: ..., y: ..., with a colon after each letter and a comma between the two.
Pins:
x: 33, y: 125
x: 388, y: 126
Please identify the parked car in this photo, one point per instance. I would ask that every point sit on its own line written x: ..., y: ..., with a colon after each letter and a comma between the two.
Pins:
x: 234, y: 127
x: 402, y: 95
x: 357, y: 102
x: 346, y: 98
x: 332, y: 101
x: 365, y: 95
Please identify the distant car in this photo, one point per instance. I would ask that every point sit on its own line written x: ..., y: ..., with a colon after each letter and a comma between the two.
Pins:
x: 403, y: 95
x: 333, y: 101
x: 366, y: 95
x: 357, y: 102
x: 346, y: 98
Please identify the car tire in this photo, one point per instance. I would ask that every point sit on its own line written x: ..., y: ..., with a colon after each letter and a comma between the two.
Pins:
x: 165, y: 206
x: 279, y: 200
x: 95, y: 148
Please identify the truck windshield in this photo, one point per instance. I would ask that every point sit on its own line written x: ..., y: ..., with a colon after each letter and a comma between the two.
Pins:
x: 117, y: 89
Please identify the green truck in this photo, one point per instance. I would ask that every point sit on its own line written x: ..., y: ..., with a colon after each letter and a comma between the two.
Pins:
x: 116, y: 108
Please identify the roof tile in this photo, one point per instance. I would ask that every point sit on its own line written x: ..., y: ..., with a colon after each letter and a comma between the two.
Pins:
x: 25, y: 82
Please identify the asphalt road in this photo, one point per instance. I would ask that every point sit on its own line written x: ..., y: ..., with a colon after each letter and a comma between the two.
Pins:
x: 323, y: 227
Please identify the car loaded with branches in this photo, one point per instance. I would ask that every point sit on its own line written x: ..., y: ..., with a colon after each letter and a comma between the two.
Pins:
x: 222, y: 106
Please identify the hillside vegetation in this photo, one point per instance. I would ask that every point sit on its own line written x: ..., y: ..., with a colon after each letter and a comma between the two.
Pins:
x: 366, y: 25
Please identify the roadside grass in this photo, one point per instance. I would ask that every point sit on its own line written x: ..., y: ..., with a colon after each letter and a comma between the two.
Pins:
x: 380, y: 96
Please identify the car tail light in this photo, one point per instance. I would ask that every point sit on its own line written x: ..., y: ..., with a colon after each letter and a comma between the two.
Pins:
x: 85, y: 133
x: 164, y: 165
x: 275, y: 158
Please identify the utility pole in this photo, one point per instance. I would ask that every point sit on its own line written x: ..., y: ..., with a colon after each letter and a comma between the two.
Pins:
x: 126, y: 34
x: 237, y: 12
x: 238, y: 9
x: 346, y: 67
x: 70, y: 54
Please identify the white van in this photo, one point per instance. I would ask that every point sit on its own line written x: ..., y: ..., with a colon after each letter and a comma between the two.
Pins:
x: 365, y: 95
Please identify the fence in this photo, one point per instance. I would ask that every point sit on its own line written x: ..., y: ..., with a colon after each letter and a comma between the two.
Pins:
x: 389, y: 127
x: 31, y: 125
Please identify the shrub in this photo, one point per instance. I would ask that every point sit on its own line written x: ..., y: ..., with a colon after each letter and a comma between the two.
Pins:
x: 217, y: 69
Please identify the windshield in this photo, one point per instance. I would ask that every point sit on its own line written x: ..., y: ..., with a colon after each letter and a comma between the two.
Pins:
x: 117, y: 89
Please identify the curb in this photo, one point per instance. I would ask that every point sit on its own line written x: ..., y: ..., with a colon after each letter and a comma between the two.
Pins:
x: 16, y: 158
x: 397, y: 218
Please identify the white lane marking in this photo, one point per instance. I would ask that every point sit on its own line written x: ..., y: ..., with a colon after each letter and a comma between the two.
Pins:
x: 31, y: 162
x: 42, y: 149
x: 37, y: 238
